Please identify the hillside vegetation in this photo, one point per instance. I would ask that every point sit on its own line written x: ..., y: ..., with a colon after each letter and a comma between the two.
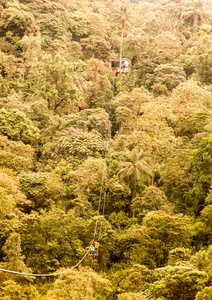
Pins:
x: 71, y: 132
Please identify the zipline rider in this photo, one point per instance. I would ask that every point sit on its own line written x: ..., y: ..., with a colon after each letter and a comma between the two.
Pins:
x: 96, y: 249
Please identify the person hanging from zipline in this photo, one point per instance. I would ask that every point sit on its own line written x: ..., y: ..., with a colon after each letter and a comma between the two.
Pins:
x: 91, y: 248
x: 96, y: 249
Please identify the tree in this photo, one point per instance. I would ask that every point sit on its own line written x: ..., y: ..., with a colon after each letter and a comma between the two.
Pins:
x: 99, y: 88
x: 135, y: 167
x: 118, y: 196
x: 16, y: 155
x: 202, y: 260
x: 15, y: 22
x: 14, y: 259
x: 198, y: 60
x: 196, y: 13
x: 41, y: 188
x: 175, y: 180
x: 17, y: 126
x: 200, y: 172
x: 121, y: 13
x: 178, y: 282
x: 123, y: 117
x: 163, y: 232
x: 152, y: 199
x: 57, y: 84
x: 149, y: 244
x: 165, y: 75
x: 96, y: 120
x: 11, y: 194
x: 136, y: 279
x: 179, y: 255
x: 12, y: 290
x: 10, y: 75
x: 131, y: 296
x: 12, y: 202
x: 205, y: 294
x: 73, y: 285
x: 96, y: 46
x: 77, y: 145
x: 52, y: 239
x: 191, y: 109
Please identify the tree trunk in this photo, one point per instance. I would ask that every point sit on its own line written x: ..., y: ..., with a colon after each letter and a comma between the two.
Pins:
x: 133, y: 192
x: 133, y: 195
x: 122, y: 35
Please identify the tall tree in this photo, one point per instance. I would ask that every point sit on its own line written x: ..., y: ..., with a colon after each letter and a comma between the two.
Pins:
x: 121, y: 13
x: 197, y: 12
x: 134, y: 168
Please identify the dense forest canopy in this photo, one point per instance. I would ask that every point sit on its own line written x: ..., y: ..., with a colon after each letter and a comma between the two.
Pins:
x: 75, y: 130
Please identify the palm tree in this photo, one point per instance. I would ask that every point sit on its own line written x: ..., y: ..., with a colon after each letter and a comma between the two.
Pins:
x: 197, y: 12
x: 121, y: 13
x: 134, y: 168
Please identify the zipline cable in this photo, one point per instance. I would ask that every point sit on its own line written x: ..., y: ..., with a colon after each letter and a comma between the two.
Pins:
x: 89, y: 280
x: 107, y: 158
x: 46, y: 275
x: 106, y: 168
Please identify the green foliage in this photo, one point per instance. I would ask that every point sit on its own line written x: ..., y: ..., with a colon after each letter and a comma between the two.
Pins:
x: 56, y: 85
x: 196, y: 13
x: 150, y: 243
x: 202, y: 261
x: 178, y: 282
x: 176, y: 182
x: 137, y: 279
x: 131, y: 296
x: 77, y: 145
x: 74, y: 285
x: 13, y: 254
x: 15, y: 155
x: 200, y: 165
x: 51, y: 239
x: 11, y: 192
x: 152, y: 199
x: 205, y: 294
x: 41, y: 188
x: 79, y: 25
x: 99, y: 87
x: 10, y: 72
x: 11, y: 290
x: 165, y: 75
x: 57, y: 90
x: 97, y: 47
x: 191, y: 107
x: 17, y: 126
x: 15, y: 22
x: 134, y: 168
x: 165, y: 232
x: 179, y: 255
x: 118, y: 195
x: 90, y: 120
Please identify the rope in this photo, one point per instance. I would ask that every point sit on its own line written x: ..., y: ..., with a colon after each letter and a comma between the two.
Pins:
x: 107, y: 160
x: 107, y: 163
x: 106, y: 168
x: 98, y: 212
x: 46, y: 275
x: 89, y: 280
